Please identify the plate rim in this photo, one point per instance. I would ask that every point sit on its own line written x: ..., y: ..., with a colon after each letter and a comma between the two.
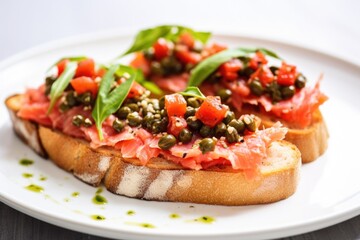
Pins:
x: 314, y: 224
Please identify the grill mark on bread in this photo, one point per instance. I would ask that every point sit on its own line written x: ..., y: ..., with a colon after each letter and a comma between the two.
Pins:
x: 133, y: 181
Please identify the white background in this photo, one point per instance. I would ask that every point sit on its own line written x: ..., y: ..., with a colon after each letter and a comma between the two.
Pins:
x: 331, y: 26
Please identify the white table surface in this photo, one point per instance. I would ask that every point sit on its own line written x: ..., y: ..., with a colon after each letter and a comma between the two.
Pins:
x: 330, y: 26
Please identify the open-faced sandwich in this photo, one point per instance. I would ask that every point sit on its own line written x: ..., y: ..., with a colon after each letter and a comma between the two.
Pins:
x: 242, y: 77
x: 100, y: 124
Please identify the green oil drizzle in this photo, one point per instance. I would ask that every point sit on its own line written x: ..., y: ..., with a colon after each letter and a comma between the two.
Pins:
x: 66, y: 200
x: 27, y: 175
x: 174, y: 216
x: 26, y: 162
x: 99, y: 190
x: 35, y: 188
x: 98, y: 217
x: 144, y: 225
x: 42, y: 178
x: 205, y: 219
x: 75, y: 194
x: 99, y: 200
x: 131, y: 213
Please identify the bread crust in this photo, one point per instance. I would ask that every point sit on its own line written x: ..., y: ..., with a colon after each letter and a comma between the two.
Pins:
x: 163, y: 180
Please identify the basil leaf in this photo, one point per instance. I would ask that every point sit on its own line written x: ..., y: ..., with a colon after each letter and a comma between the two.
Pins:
x: 109, y: 102
x: 265, y: 51
x: 71, y: 59
x: 205, y: 68
x: 61, y: 83
x: 146, y: 38
x: 193, y: 92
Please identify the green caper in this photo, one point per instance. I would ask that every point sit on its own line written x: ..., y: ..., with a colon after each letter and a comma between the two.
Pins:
x: 207, y: 145
x: 256, y: 87
x: 133, y: 107
x: 85, y: 98
x: 232, y: 135
x: 206, y: 131
x: 156, y: 68
x: 78, y: 120
x: 300, y: 81
x: 287, y: 92
x: 193, y: 102
x: 149, y: 54
x: 190, y: 111
x: 118, y: 125
x: 163, y: 113
x: 64, y: 107
x: 193, y: 123
x: 228, y: 117
x: 48, y: 83
x: 156, y: 127
x: 123, y: 112
x: 249, y: 123
x: 246, y: 72
x: 87, y: 122
x: 273, y: 89
x: 171, y: 65
x: 214, y: 78
x: 162, y: 103
x: 274, y: 69
x: 224, y: 94
x: 167, y: 141
x: 164, y: 122
x: 220, y: 130
x: 134, y: 119
x: 148, y: 121
x: 71, y: 98
x: 238, y: 125
x: 185, y: 136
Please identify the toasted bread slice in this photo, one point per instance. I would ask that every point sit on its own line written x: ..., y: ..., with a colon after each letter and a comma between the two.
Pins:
x: 311, y: 141
x: 163, y: 180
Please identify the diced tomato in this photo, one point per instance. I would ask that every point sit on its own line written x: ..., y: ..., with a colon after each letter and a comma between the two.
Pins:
x: 176, y: 124
x: 212, y: 49
x: 187, y: 39
x: 61, y: 66
x: 84, y: 84
x: 286, y: 74
x: 258, y: 59
x: 211, y: 111
x: 141, y: 63
x: 136, y: 90
x: 101, y: 72
x: 161, y: 49
x: 86, y: 68
x: 183, y: 53
x: 263, y: 74
x: 229, y: 70
x: 175, y: 105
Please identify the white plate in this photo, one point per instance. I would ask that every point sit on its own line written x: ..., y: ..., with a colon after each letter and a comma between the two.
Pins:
x: 329, y: 191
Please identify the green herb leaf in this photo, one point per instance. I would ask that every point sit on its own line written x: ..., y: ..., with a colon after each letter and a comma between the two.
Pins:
x: 71, y: 59
x: 109, y: 102
x: 205, y: 68
x: 146, y: 38
x: 193, y: 92
x: 265, y: 51
x: 61, y: 83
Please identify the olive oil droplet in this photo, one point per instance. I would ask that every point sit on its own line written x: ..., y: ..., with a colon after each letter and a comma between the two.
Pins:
x: 98, y: 217
x: 26, y: 162
x: 99, y: 200
x: 27, y: 175
x: 34, y: 188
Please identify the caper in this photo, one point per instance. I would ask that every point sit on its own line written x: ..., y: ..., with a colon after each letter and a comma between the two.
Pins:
x: 118, y: 125
x: 193, y: 123
x: 149, y: 53
x: 148, y: 121
x: 162, y: 102
x: 256, y: 87
x: 64, y: 107
x: 87, y: 122
x: 287, y: 92
x: 193, y: 102
x: 163, y: 113
x: 246, y: 72
x: 224, y: 94
x: 171, y: 65
x: 214, y: 78
x: 190, y: 111
x: 156, y: 68
x: 48, y: 83
x: 185, y: 136
x: 156, y: 127
x: 232, y: 135
x: 134, y: 119
x: 167, y: 141
x: 207, y: 145
x: 273, y: 89
x: 78, y: 120
x: 206, y: 131
x: 85, y: 98
x: 228, y: 117
x: 123, y: 112
x: 249, y: 123
x: 71, y: 98
x: 164, y: 122
x: 220, y: 130
x: 274, y: 69
x: 133, y: 107
x: 300, y: 81
x: 238, y: 125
